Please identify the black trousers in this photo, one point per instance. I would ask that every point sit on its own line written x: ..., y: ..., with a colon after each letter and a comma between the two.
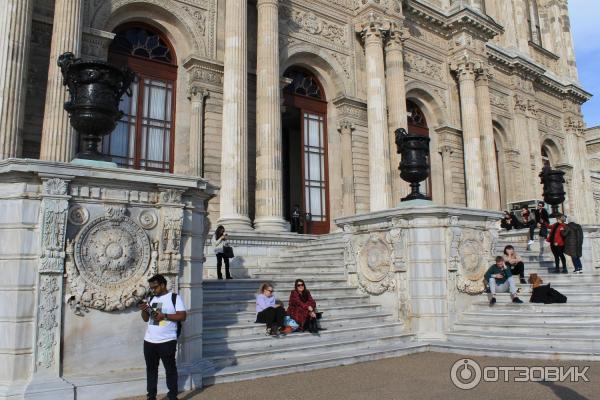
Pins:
x: 153, y: 352
x: 518, y: 269
x: 272, y: 316
x: 558, y: 252
x: 531, y: 225
x: 220, y: 259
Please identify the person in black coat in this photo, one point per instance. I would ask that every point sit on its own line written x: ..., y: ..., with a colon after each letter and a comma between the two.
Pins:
x: 542, y: 219
x: 573, y: 236
x: 508, y: 222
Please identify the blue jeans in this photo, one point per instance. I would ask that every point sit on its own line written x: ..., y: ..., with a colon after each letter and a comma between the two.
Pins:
x: 577, y: 263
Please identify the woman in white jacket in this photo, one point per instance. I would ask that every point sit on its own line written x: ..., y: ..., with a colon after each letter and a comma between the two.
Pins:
x: 220, y: 240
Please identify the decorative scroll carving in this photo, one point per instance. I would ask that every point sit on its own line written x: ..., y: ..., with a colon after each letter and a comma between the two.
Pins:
x: 421, y: 65
x: 53, y: 226
x: 306, y: 22
x: 48, y: 317
x: 170, y: 256
x: 499, y: 100
x: 108, y: 263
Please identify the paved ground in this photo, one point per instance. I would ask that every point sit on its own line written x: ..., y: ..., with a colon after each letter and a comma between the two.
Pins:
x: 421, y: 376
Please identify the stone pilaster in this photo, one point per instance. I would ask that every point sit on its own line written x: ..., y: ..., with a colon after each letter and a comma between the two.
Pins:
x: 372, y: 32
x: 535, y: 149
x: 234, y: 147
x: 396, y: 101
x: 197, y: 96
x: 526, y: 190
x: 15, y: 25
x: 488, y: 150
x: 348, y: 204
x: 446, y: 153
x: 581, y: 198
x: 269, y: 184
x: 521, y: 13
x: 471, y: 140
x: 58, y: 138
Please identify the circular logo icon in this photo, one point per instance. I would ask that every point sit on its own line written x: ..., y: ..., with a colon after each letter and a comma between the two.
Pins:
x: 465, y: 374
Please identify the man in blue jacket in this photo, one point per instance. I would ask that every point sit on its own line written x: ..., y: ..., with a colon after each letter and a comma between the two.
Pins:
x: 500, y: 280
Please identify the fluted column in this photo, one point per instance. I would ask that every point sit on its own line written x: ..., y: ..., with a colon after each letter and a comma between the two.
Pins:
x: 372, y: 32
x: 234, y: 145
x: 446, y: 153
x: 526, y: 191
x: 396, y: 102
x: 348, y: 203
x: 488, y: 150
x: 15, y: 25
x: 197, y: 97
x: 58, y: 138
x: 471, y: 140
x: 269, y: 184
x: 535, y: 148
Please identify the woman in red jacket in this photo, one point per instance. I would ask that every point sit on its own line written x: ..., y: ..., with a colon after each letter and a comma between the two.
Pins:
x: 302, y: 307
x: 557, y: 243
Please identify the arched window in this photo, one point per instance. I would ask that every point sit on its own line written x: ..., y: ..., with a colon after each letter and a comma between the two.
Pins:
x: 144, y: 137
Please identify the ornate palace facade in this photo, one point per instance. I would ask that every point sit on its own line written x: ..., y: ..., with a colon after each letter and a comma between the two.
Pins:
x: 296, y: 101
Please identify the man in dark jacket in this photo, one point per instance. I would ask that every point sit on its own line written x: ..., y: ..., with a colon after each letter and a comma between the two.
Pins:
x: 500, y: 279
x: 573, y: 235
x: 542, y: 219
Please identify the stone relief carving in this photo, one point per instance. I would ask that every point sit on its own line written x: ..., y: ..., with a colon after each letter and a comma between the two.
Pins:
x: 148, y: 219
x: 499, y: 100
x: 53, y: 225
x: 108, y: 263
x: 468, y: 256
x: 170, y: 256
x: 421, y: 65
x: 78, y: 215
x: 47, y: 319
x: 374, y: 264
x: 306, y: 22
x: 549, y: 121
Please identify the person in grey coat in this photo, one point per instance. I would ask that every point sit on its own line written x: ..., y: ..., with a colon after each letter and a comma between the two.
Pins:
x: 573, y: 236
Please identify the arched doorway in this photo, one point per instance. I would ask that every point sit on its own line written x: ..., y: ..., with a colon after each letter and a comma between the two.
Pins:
x: 144, y: 137
x: 305, y: 175
x: 417, y: 125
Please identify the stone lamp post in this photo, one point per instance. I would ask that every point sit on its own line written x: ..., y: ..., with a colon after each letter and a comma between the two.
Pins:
x: 554, y: 192
x: 414, y: 166
x: 95, y: 90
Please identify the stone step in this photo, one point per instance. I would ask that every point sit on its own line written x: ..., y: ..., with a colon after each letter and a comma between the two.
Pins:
x: 250, y: 316
x: 302, y: 262
x: 249, y: 342
x: 505, y: 303
x: 310, y: 256
x: 279, y: 283
x: 325, y: 301
x: 283, y: 276
x: 302, y: 271
x: 513, y: 351
x: 504, y: 340
x: 248, y: 294
x: 572, y: 297
x: 292, y: 352
x: 213, y: 329
x: 526, y: 328
x: 307, y: 363
x: 325, y: 251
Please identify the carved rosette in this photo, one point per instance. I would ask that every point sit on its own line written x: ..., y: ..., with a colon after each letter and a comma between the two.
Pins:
x: 108, y: 263
x: 373, y: 256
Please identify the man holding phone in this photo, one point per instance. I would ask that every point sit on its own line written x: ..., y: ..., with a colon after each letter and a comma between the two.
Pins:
x: 163, y: 312
x: 500, y: 280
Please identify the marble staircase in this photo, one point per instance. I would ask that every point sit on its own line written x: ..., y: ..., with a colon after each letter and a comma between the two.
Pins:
x: 550, y: 331
x: 235, y: 348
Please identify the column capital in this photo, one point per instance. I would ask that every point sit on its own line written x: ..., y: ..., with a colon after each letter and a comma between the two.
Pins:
x: 398, y: 34
x: 260, y: 3
x: 446, y: 150
x: 484, y: 73
x: 197, y: 93
x: 532, y: 108
x: 372, y: 27
x: 346, y: 127
x: 574, y: 125
x: 520, y: 104
x: 464, y: 69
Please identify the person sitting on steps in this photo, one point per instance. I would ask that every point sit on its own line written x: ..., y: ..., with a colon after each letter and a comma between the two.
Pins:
x: 514, y: 262
x: 269, y: 310
x: 499, y: 279
x: 529, y: 223
x: 302, y: 308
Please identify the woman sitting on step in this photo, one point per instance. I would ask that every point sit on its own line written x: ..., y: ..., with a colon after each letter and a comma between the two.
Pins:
x: 302, y: 307
x: 269, y: 310
x: 514, y: 262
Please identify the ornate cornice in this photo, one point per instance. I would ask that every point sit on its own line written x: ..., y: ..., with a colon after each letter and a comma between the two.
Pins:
x: 480, y: 26
x: 204, y: 74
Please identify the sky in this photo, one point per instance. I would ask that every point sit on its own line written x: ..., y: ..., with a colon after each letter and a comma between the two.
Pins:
x: 585, y: 25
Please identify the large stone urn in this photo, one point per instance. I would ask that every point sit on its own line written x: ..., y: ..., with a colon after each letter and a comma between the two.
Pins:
x: 554, y: 192
x: 96, y: 89
x: 414, y: 165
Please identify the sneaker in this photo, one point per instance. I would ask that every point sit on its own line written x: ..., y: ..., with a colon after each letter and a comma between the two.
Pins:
x: 564, y: 271
x: 487, y: 290
x: 268, y: 332
x: 492, y: 301
x: 517, y: 300
x: 523, y: 281
x: 556, y: 271
x: 530, y: 242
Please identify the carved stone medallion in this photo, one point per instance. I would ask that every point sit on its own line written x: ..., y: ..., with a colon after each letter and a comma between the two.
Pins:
x: 374, y: 270
x: 112, y: 256
x: 148, y: 219
x: 78, y: 215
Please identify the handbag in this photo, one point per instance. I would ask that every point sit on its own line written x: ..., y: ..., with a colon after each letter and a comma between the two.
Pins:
x: 289, y: 321
x: 228, y: 251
